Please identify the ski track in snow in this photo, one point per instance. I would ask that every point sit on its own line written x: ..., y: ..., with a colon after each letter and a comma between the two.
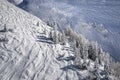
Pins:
x: 24, y: 58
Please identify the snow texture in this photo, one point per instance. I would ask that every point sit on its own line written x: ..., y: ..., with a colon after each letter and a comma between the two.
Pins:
x: 25, y: 51
x: 102, y: 15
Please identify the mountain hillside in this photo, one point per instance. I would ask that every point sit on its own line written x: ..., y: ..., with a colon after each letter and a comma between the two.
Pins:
x: 28, y: 53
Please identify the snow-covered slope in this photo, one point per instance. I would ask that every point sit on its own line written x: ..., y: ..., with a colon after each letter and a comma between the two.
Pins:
x: 22, y: 55
x: 104, y: 14
x: 24, y: 52
x: 27, y: 53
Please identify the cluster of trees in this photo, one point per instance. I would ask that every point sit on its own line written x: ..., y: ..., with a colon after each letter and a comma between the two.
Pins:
x: 86, y: 52
x: 56, y: 36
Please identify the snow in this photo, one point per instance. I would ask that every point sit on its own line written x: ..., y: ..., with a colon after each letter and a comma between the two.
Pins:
x: 27, y: 53
x: 76, y: 12
x: 24, y: 56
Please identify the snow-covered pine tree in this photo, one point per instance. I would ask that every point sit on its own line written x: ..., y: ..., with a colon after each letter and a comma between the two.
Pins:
x: 54, y: 34
x: 93, y: 50
x: 106, y: 69
x: 85, y: 56
x: 59, y: 37
x: 78, y: 59
x: 51, y: 35
x: 63, y: 39
x: 100, y: 55
x: 67, y: 31
x: 96, y: 70
x: 107, y: 66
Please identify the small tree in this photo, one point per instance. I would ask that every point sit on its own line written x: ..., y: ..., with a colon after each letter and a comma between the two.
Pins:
x: 106, y: 69
x: 54, y: 34
x: 59, y: 37
x: 85, y: 55
x: 77, y: 60
x: 107, y: 66
x: 63, y: 38
x: 93, y: 50
x: 51, y: 35
x: 96, y: 70
x: 55, y: 37
x: 68, y: 31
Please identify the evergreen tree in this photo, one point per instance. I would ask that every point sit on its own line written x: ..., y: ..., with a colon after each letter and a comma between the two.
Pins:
x: 63, y: 38
x: 77, y: 57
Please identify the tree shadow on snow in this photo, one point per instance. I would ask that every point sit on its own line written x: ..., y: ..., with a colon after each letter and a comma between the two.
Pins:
x: 68, y: 49
x: 44, y: 39
x: 72, y: 67
x: 60, y: 58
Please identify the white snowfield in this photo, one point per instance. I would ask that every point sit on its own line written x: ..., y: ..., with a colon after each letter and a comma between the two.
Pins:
x: 26, y: 53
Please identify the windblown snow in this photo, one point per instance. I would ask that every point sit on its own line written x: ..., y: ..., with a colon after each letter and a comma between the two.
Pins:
x: 27, y: 53
x: 24, y: 52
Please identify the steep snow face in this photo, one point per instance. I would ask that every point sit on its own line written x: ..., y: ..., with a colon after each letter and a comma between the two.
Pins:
x: 26, y: 53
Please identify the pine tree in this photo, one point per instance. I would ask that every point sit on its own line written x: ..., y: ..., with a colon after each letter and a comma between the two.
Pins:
x: 77, y: 60
x: 85, y: 55
x: 59, y: 37
x: 96, y: 69
x: 107, y: 65
x: 68, y: 31
x: 54, y: 33
x: 51, y: 35
x: 55, y: 37
x: 63, y: 39
x: 106, y: 69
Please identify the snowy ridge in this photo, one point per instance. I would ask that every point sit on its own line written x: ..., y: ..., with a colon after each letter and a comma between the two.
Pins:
x: 27, y: 53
